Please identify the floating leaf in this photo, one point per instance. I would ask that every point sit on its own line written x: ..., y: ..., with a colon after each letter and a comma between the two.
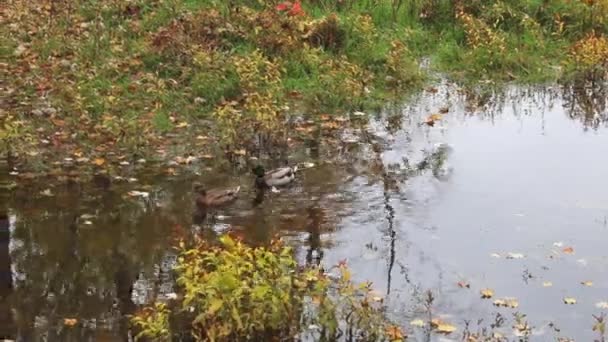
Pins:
x: 547, y: 284
x: 394, y: 333
x: 70, y: 322
x: 507, y: 303
x: 417, y: 323
x: 568, y: 250
x: 487, y: 293
x: 442, y: 327
x: 431, y: 119
x: 569, y: 300
x: 587, y: 283
x: 464, y: 284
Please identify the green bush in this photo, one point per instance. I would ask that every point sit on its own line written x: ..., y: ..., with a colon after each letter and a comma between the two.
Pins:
x: 235, y: 292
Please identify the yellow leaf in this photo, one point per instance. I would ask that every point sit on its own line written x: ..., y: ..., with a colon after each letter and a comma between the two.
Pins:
x: 417, y: 323
x: 214, y: 305
x: 442, y: 327
x: 569, y: 300
x: 98, y: 161
x: 587, y: 283
x: 547, y: 284
x: 487, y: 293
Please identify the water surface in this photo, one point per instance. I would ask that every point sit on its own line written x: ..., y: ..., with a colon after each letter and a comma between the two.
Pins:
x: 525, y: 174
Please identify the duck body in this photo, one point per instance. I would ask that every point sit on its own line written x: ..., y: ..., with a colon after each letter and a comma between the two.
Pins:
x: 215, y: 197
x: 274, y: 178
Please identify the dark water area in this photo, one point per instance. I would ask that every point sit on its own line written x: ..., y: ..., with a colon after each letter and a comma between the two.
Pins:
x: 493, y: 195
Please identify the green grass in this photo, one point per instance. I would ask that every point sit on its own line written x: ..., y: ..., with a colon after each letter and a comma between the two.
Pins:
x: 177, y: 58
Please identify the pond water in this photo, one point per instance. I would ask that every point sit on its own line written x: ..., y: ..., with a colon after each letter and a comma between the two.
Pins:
x: 508, y: 191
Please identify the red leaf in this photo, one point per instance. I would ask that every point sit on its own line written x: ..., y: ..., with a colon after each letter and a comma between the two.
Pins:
x: 283, y: 6
x: 296, y: 9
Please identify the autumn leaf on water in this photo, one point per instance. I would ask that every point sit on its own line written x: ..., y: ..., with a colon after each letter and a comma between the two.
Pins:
x: 547, y: 284
x: 442, y: 327
x: 568, y: 250
x: 507, y: 303
x: 487, y: 293
x: 587, y: 283
x: 431, y: 119
x: 417, y: 323
x: 569, y: 300
x: 464, y: 284
x: 394, y: 333
x: 70, y: 322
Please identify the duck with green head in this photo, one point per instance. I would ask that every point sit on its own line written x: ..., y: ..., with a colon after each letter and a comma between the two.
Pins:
x: 274, y: 178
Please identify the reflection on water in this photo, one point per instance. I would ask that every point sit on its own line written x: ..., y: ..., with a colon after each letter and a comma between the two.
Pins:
x: 410, y: 207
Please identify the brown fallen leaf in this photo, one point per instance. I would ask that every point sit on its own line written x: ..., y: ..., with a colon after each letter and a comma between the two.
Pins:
x: 568, y: 250
x: 487, y: 293
x: 394, y: 333
x: 431, y: 119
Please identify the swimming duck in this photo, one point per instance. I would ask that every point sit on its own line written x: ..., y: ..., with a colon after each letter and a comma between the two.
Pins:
x: 273, y: 178
x: 214, y: 197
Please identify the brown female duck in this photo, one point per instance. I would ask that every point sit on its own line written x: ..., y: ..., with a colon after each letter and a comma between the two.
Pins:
x: 212, y: 198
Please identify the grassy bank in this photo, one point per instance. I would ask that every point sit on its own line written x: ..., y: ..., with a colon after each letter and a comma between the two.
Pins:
x: 90, y: 80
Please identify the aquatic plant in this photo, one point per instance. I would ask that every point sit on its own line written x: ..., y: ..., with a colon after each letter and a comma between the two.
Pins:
x: 232, y: 291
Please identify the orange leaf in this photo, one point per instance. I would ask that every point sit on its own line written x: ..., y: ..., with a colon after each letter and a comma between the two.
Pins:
x: 98, y: 161
x: 568, y: 250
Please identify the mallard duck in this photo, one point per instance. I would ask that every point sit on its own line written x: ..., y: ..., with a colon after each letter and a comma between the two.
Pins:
x: 214, y: 197
x: 273, y: 178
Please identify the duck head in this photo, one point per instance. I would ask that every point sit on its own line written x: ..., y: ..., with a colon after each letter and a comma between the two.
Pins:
x: 259, y: 171
x: 199, y: 189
